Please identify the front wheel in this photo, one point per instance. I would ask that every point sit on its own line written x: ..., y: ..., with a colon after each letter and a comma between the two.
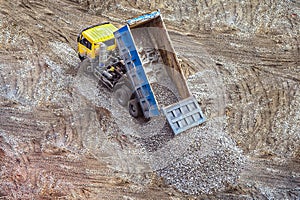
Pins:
x: 134, y: 108
x: 86, y: 67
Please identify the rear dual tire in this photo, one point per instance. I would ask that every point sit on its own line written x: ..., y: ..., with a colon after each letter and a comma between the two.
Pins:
x: 134, y: 108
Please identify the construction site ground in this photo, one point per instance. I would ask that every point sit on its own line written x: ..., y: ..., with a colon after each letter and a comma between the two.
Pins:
x: 63, y: 135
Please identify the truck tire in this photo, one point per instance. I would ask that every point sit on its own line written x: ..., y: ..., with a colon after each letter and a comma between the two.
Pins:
x: 134, y: 108
x: 86, y: 67
x: 122, y: 95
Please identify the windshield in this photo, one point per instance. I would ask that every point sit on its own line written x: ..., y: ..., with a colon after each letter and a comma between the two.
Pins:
x: 109, y: 42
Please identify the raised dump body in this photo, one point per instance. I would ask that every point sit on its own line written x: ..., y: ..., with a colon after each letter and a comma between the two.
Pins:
x: 154, y: 71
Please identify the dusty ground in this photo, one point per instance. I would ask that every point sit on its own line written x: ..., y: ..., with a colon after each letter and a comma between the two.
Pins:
x: 61, y: 136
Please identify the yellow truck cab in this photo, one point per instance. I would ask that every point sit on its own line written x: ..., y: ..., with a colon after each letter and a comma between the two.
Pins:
x: 89, y: 40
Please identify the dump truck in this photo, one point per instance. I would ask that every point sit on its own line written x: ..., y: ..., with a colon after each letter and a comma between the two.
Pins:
x: 129, y: 60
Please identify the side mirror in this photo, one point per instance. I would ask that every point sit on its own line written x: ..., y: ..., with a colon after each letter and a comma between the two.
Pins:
x: 78, y: 38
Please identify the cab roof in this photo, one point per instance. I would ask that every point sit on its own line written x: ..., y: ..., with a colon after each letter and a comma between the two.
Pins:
x: 99, y: 33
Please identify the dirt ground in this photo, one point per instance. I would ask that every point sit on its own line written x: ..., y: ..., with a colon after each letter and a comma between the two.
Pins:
x: 63, y: 137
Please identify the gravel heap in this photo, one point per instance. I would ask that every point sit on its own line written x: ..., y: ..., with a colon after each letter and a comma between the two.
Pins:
x: 209, y: 163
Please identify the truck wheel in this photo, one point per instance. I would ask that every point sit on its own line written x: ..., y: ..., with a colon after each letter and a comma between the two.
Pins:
x: 134, y: 108
x: 122, y: 95
x: 86, y: 67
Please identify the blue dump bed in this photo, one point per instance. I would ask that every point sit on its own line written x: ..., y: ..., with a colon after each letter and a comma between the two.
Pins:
x: 146, y: 48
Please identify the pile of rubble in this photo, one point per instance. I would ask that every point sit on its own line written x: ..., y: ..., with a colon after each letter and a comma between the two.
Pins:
x: 210, y: 162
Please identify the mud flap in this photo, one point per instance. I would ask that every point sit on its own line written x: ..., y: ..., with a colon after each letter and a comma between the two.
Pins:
x: 184, y: 115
